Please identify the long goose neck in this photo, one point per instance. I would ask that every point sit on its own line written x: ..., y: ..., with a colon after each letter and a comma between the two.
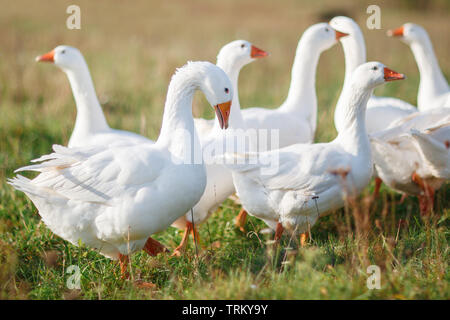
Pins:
x: 432, y: 81
x: 236, y: 121
x: 355, y: 55
x: 302, y: 97
x: 178, y: 134
x: 90, y: 117
x: 353, y: 135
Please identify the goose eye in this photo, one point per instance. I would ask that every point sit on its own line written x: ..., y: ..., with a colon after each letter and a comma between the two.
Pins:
x: 227, y: 90
x: 63, y: 51
x: 242, y: 45
x: 326, y: 29
x: 375, y: 68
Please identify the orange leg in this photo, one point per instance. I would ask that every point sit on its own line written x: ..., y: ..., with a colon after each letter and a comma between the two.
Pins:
x: 153, y: 247
x: 189, y: 229
x: 376, y: 190
x: 303, y: 238
x: 426, y: 200
x: 278, y: 231
x: 402, y: 199
x: 240, y: 220
x: 123, y: 261
x: 423, y: 205
x: 418, y: 180
x: 184, y: 240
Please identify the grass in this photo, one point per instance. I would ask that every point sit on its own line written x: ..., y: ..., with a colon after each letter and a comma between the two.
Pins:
x: 131, y: 63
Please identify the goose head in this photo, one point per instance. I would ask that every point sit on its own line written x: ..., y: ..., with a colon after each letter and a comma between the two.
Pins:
x: 348, y: 26
x: 239, y: 53
x: 409, y: 33
x: 372, y: 74
x: 322, y: 35
x: 218, y: 90
x: 65, y: 57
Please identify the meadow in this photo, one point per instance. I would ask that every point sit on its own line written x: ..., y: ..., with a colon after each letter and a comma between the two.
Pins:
x: 132, y: 51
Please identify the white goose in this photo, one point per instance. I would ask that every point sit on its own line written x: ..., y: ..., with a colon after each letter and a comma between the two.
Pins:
x: 232, y: 58
x: 91, y: 127
x: 433, y: 88
x: 114, y: 198
x: 296, y: 118
x: 412, y: 157
x: 312, y: 178
x: 381, y: 111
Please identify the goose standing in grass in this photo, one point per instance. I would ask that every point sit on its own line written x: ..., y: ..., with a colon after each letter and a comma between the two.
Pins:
x: 231, y: 58
x: 381, y: 111
x: 413, y: 156
x: 113, y: 198
x: 91, y: 127
x: 312, y: 179
x: 433, y: 88
x: 296, y: 119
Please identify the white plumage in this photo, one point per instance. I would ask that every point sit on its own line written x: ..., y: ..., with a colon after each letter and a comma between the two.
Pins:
x: 296, y: 118
x: 91, y: 127
x: 231, y: 58
x: 381, y: 111
x: 434, y: 91
x: 311, y: 178
x: 113, y: 198
x: 417, y: 144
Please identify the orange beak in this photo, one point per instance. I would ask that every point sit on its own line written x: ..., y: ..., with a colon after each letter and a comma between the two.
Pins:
x: 340, y: 35
x: 48, y: 57
x: 390, y: 75
x: 396, y: 32
x: 223, y: 113
x: 258, y: 53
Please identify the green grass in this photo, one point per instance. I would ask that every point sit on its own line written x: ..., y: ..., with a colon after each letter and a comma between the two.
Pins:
x: 131, y: 64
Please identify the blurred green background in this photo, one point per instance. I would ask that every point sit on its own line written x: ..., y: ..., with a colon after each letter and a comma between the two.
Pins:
x: 133, y: 48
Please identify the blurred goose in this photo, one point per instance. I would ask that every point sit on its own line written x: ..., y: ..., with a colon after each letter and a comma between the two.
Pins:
x: 114, y: 198
x: 306, y: 180
x: 296, y: 118
x: 433, y: 88
x: 412, y: 157
x: 232, y: 58
x: 91, y: 127
x: 381, y: 111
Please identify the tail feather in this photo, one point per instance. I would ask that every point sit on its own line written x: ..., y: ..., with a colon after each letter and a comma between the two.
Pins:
x: 434, y: 152
x: 26, y: 186
x: 427, y: 142
x: 61, y: 158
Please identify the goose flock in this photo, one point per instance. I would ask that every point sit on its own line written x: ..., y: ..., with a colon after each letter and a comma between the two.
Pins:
x: 112, y: 189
